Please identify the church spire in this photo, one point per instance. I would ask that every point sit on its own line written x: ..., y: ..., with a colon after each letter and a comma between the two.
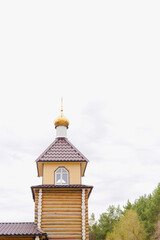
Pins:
x: 61, y: 107
x: 61, y: 124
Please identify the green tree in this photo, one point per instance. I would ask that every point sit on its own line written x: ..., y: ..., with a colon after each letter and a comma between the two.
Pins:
x: 108, y: 220
x: 128, y: 228
x: 148, y: 209
x: 127, y: 206
x: 93, y: 228
x: 105, y: 224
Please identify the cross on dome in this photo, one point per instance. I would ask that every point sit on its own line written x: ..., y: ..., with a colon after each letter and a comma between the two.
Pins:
x: 61, y: 121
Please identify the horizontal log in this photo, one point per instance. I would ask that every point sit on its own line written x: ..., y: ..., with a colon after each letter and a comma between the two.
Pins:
x: 67, y: 193
x: 61, y: 229
x: 66, y: 235
x: 60, y: 217
x: 60, y: 190
x: 67, y: 212
x: 52, y: 202
x: 56, y: 207
x: 54, y: 213
x: 46, y: 217
x: 51, y: 236
x: 62, y: 221
x: 60, y: 204
x: 62, y: 193
x: 67, y: 215
x: 61, y: 197
x: 68, y: 196
x: 62, y: 213
x: 63, y: 208
x: 62, y: 224
x: 59, y: 220
x: 72, y: 219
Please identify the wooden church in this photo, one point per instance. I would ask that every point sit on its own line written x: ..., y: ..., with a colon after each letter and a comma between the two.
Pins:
x: 61, y: 202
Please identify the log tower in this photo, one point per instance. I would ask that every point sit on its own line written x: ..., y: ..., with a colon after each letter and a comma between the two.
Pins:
x: 61, y: 202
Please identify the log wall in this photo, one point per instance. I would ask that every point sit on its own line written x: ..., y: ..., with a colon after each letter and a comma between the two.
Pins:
x: 61, y: 216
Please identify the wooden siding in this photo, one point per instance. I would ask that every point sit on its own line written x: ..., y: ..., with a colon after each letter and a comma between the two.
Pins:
x: 62, y: 213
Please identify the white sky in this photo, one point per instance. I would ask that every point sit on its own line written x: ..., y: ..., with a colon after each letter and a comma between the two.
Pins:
x: 103, y: 57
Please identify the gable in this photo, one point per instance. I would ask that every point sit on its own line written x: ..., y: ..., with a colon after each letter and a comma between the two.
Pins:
x: 61, y: 150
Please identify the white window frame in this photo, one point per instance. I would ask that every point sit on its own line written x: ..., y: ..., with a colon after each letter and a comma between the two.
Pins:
x: 61, y: 176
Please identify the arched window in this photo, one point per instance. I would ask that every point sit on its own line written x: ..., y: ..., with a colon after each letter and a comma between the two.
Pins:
x: 61, y: 176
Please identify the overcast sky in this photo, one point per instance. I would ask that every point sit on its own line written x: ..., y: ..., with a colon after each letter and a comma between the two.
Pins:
x: 103, y: 57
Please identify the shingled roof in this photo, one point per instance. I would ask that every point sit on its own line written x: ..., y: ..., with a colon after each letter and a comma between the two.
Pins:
x: 50, y: 186
x: 20, y: 229
x: 61, y: 150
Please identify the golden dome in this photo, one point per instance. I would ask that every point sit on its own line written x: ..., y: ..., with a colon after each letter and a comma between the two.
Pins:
x: 61, y: 121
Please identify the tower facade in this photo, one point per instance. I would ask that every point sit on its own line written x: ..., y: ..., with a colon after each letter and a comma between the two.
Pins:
x: 61, y: 202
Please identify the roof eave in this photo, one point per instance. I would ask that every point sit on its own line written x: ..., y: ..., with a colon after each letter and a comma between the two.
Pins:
x: 23, y: 235
x: 52, y: 186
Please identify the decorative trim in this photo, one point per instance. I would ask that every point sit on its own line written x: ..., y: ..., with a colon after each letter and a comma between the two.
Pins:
x: 81, y: 172
x: 83, y: 215
x: 37, y: 238
x: 39, y: 209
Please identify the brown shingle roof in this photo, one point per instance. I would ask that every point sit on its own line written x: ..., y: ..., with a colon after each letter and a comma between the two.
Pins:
x: 76, y: 186
x: 20, y: 229
x: 62, y: 150
x: 62, y: 186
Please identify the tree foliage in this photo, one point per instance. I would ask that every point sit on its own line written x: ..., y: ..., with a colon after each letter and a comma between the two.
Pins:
x: 128, y: 228
x: 99, y: 229
x: 147, y: 208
